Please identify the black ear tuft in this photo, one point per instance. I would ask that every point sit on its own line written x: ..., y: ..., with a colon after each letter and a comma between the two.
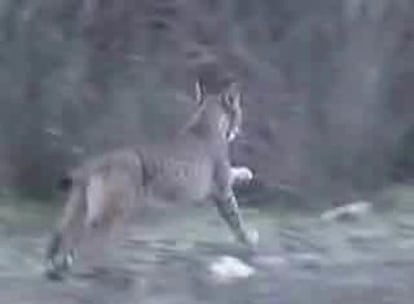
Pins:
x: 199, y: 92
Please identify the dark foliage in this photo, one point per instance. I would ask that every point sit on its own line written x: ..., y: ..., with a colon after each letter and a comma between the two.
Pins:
x: 328, y: 84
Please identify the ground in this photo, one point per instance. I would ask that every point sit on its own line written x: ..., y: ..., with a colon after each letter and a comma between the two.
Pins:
x: 300, y: 259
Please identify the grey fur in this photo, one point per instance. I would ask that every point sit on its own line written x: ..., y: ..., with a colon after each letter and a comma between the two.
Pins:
x: 193, y: 166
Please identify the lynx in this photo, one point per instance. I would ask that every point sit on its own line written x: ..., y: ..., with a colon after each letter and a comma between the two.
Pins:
x: 193, y: 166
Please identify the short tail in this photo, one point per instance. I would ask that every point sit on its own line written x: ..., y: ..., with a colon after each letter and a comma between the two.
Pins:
x: 65, y: 183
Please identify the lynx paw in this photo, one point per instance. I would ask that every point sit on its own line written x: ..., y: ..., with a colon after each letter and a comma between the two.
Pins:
x: 252, y: 238
x: 55, y: 268
x: 241, y: 175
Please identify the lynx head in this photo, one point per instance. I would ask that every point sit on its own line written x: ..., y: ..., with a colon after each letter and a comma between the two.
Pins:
x: 222, y: 111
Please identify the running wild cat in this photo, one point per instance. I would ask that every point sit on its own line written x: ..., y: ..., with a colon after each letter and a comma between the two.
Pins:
x: 193, y: 166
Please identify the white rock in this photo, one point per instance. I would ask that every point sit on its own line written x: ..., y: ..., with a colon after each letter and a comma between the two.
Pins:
x: 350, y: 211
x: 227, y: 268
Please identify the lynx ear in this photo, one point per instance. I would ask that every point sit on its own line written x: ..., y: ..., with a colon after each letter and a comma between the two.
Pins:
x: 199, y: 92
x: 232, y: 96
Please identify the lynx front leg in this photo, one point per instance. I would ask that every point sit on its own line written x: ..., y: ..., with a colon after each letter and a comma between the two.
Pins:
x: 230, y: 212
x: 227, y: 205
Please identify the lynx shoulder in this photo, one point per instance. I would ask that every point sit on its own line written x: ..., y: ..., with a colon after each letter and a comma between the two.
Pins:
x: 192, y: 166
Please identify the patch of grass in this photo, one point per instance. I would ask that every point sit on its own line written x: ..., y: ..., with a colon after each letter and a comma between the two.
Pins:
x: 18, y: 213
x: 398, y: 197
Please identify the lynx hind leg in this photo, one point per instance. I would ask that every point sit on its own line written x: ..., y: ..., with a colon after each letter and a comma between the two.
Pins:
x: 89, y: 216
x: 109, y: 199
x: 60, y: 250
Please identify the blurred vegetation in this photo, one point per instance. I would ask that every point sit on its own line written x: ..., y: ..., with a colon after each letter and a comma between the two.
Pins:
x: 327, y: 85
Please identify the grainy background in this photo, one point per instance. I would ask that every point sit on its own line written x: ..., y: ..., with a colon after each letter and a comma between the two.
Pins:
x: 328, y: 85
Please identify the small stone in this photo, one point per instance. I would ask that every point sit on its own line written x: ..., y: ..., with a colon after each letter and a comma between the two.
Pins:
x: 352, y: 211
x: 227, y: 269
